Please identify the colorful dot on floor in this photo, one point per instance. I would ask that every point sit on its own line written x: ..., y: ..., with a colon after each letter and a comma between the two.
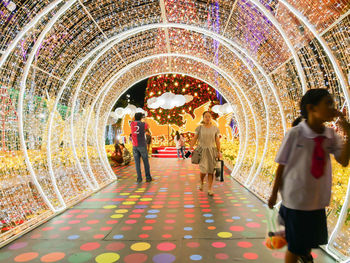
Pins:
x: 224, y: 234
x: 166, y: 246
x: 140, y: 246
x: 221, y: 256
x: 107, y: 258
x: 133, y: 258
x: 164, y: 258
x: 90, y: 246
x: 195, y: 257
x: 52, y: 257
x: 250, y: 256
x: 25, y: 257
x: 80, y: 257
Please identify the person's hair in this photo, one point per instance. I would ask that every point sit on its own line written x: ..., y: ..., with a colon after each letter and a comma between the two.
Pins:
x: 313, y: 97
x: 207, y: 111
x: 117, y: 147
x: 138, y: 116
x: 297, y: 121
x: 122, y: 144
x: 177, y: 134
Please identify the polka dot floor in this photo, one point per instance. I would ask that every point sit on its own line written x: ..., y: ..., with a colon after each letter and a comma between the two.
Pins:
x: 167, y: 220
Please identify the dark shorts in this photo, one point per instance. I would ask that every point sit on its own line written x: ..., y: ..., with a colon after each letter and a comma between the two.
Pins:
x: 304, y: 229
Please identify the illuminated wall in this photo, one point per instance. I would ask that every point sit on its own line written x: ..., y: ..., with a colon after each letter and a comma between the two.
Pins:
x: 63, y: 64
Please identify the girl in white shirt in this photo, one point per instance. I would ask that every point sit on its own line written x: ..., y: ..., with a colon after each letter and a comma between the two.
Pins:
x: 304, y: 175
x: 179, y: 142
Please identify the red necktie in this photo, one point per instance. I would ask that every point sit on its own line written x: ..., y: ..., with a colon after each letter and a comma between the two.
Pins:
x: 318, y: 158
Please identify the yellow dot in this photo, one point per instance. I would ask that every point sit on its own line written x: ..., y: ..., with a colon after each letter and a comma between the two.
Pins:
x: 225, y: 234
x: 109, y: 206
x: 121, y: 211
x: 125, y: 194
x: 146, y: 199
x: 129, y: 203
x: 134, y: 196
x: 141, y: 246
x: 117, y: 216
x: 107, y: 258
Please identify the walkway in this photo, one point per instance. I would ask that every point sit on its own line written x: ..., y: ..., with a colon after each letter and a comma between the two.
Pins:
x: 164, y: 221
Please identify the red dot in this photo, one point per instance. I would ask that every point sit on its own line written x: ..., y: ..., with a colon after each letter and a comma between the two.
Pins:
x: 244, y: 244
x: 250, y: 255
x: 192, y: 244
x: 65, y: 228
x: 166, y: 246
x: 126, y: 228
x: 167, y: 236
x: 111, y: 222
x: 170, y: 221
x: 74, y: 211
x: 90, y: 246
x: 131, y: 221
x: 106, y: 228
x: 314, y: 255
x: 88, y: 211
x: 92, y: 222
x: 85, y: 228
x: 143, y: 236
x: 47, y: 228
x: 58, y: 222
x: 81, y: 216
x: 98, y: 236
x: 139, y: 258
x: 168, y: 228
x: 147, y: 228
x: 115, y: 246
x: 237, y: 228
x: 150, y: 221
x: 73, y: 222
x: 221, y: 256
x: 189, y: 215
x: 135, y: 216
x: 218, y: 244
x: 253, y: 225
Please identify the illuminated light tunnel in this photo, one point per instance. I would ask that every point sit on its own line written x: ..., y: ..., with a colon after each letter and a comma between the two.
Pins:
x: 64, y: 64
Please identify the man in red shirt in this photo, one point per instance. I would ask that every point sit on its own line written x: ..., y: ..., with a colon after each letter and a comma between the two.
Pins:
x: 138, y: 129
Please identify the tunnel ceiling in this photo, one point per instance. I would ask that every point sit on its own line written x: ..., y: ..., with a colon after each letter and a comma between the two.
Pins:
x: 65, y: 63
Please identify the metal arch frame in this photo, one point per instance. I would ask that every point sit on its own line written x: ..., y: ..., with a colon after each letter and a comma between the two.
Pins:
x: 209, y: 64
x: 20, y: 111
x: 343, y: 85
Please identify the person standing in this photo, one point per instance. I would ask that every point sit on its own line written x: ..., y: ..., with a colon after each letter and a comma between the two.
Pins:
x: 138, y: 129
x: 304, y: 173
x: 207, y: 135
x: 179, y: 142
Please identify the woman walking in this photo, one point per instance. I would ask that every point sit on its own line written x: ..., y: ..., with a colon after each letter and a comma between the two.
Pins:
x: 179, y: 142
x: 208, y: 139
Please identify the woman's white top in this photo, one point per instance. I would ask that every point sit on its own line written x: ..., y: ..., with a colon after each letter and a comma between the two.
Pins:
x: 300, y: 190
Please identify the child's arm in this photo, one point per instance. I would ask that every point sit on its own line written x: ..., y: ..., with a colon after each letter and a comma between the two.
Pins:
x: 345, y: 153
x: 276, y: 186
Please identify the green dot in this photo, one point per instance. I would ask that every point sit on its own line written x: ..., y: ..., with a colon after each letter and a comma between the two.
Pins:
x: 234, y: 201
x: 5, y: 255
x: 80, y: 257
x: 255, y: 210
x: 248, y: 234
x: 52, y: 245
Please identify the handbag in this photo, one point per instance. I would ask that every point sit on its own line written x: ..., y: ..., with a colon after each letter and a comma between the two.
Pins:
x: 196, y: 155
x: 219, y: 171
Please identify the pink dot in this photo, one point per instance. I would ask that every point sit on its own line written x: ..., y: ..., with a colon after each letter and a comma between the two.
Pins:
x: 58, y: 222
x: 135, y: 216
x: 168, y: 228
x: 171, y: 215
x: 82, y: 216
x: 150, y: 221
x: 237, y: 228
x: 111, y: 222
x: 147, y: 228
x: 85, y: 228
x: 131, y: 221
x: 139, y: 258
x: 166, y: 246
x: 74, y: 211
x: 244, y: 244
x: 35, y: 236
x: 73, y: 222
x: 143, y: 236
x: 253, y: 225
x: 314, y: 255
x: 92, y: 222
x: 190, y: 221
x: 47, y: 228
x: 218, y: 244
x: 90, y: 246
x: 65, y: 228
x: 170, y: 221
x: 67, y: 216
x: 88, y: 211
x: 99, y: 236
x: 250, y: 255
x: 106, y: 228
x: 189, y: 215
x: 222, y: 256
x: 259, y: 215
x: 192, y: 244
x: 115, y: 246
x: 126, y: 228
x: 189, y: 210
x: 167, y: 236
x: 278, y: 254
x: 206, y: 210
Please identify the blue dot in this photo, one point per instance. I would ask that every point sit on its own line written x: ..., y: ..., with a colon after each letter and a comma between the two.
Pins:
x: 73, y: 237
x: 141, y: 206
x: 118, y: 236
x: 151, y: 216
x: 189, y: 206
x: 209, y: 221
x: 153, y: 211
x: 208, y: 215
x: 188, y: 237
x: 187, y: 228
x: 195, y: 257
x: 188, y: 193
x: 236, y: 217
x: 249, y: 219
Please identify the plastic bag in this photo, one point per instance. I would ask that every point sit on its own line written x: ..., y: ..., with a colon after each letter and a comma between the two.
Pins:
x: 275, y: 238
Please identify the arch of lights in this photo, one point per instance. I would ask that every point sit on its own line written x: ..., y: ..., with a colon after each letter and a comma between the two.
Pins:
x: 55, y: 56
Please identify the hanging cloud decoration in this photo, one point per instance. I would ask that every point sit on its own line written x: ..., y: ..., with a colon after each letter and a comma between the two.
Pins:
x: 222, y: 109
x: 129, y: 110
x: 168, y: 101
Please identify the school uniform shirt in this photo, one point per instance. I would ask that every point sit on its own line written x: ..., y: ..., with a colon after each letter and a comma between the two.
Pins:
x: 300, y: 190
x: 138, y: 133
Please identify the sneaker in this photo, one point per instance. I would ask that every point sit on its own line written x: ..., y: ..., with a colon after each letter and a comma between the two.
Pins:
x: 139, y: 181
x: 149, y: 180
